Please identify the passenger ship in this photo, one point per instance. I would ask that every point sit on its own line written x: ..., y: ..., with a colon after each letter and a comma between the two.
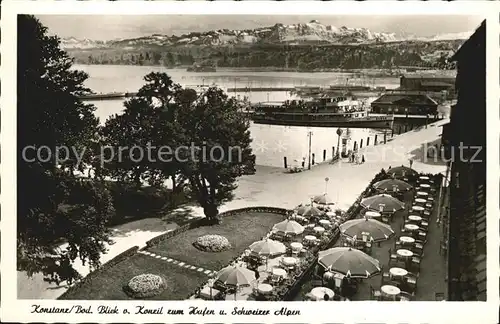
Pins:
x: 335, y: 111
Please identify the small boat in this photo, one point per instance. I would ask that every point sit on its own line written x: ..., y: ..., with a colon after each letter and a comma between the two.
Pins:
x: 328, y: 111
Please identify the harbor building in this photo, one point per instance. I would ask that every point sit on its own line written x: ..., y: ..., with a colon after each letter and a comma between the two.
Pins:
x: 464, y: 212
x: 405, y: 103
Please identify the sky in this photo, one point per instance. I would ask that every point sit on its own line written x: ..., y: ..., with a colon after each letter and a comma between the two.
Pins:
x: 105, y: 27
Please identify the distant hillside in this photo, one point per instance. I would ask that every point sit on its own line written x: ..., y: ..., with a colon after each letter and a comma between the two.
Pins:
x: 309, y: 46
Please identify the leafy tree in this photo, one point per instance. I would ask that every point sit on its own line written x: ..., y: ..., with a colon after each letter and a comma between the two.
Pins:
x: 126, y: 138
x: 147, y: 123
x: 53, y: 205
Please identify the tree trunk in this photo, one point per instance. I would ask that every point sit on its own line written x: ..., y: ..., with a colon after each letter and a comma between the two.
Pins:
x: 174, y: 184
x: 137, y: 179
x: 211, y: 211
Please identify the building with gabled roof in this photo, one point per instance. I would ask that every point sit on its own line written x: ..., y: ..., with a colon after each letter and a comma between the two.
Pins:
x: 405, y: 103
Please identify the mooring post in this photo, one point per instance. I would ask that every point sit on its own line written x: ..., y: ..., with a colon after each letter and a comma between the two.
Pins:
x: 368, y: 141
x: 324, y: 155
x: 361, y: 143
x: 284, y: 161
x: 375, y: 142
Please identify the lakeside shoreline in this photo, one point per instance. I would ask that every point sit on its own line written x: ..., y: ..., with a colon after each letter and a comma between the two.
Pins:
x: 372, y: 72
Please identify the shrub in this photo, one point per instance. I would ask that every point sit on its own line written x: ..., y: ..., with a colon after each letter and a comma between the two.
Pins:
x: 212, y: 243
x: 145, y: 285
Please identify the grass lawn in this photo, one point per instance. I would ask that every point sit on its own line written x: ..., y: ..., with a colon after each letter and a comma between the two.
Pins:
x: 241, y: 230
x: 109, y: 284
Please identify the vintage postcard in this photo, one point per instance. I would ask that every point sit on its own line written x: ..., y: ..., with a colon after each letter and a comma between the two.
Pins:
x: 250, y: 162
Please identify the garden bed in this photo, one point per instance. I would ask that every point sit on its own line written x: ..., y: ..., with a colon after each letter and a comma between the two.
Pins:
x: 241, y: 229
x: 108, y: 285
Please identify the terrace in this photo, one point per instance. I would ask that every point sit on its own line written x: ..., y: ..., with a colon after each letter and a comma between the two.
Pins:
x: 431, y: 273
x: 188, y: 272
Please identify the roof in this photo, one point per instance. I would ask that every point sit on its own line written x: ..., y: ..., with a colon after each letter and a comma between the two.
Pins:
x: 478, y: 38
x: 390, y: 98
x: 428, y: 77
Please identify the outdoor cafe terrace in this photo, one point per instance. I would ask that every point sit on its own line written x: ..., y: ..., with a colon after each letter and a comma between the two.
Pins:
x: 411, y: 261
x: 430, y: 275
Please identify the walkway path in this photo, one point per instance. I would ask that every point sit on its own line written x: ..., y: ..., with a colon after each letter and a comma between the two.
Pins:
x: 272, y: 187
x: 179, y: 263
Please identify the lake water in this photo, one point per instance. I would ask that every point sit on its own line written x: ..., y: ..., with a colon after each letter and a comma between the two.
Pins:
x: 270, y: 143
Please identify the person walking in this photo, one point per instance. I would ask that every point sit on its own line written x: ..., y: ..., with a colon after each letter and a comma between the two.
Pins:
x: 411, y: 163
x: 363, y: 159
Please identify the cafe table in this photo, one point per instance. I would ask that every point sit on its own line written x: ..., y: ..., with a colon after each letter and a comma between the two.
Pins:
x: 411, y: 227
x: 319, y: 230
x: 372, y: 214
x: 407, y: 240
x: 404, y: 253
x: 310, y: 238
x: 299, y: 218
x: 422, y: 194
x: 398, y: 272
x: 289, y: 261
x: 296, y: 246
x: 423, y: 178
x: 264, y: 288
x: 425, y: 186
x: 414, y: 218
x: 279, y: 272
x: 325, y: 223
x: 420, y: 201
x: 417, y: 209
x: 390, y: 290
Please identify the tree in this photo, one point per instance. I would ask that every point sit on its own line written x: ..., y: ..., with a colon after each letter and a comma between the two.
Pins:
x: 53, y: 205
x: 221, y: 135
x: 147, y: 123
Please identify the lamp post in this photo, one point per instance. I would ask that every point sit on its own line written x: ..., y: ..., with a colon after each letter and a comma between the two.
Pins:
x: 310, y: 139
x: 339, y: 133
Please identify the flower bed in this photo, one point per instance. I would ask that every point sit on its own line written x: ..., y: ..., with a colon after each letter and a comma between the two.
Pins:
x: 145, y: 285
x: 212, y: 243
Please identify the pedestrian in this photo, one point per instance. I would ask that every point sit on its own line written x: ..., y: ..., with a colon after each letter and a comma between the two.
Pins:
x: 411, y: 163
x: 363, y: 159
x: 326, y: 297
x: 303, y: 162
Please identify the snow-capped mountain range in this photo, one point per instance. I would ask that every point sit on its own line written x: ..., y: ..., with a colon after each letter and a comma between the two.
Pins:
x: 313, y: 32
